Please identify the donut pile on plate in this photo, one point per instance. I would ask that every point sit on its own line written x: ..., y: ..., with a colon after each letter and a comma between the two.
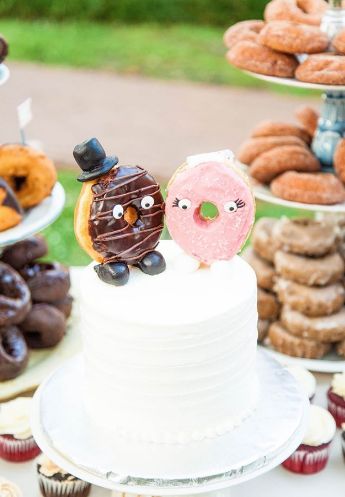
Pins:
x: 300, y: 270
x: 279, y: 154
x: 27, y: 177
x: 290, y: 28
x: 34, y: 304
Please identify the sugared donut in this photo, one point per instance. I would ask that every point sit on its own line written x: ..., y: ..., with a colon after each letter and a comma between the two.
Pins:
x: 15, y: 299
x: 29, y: 172
x: 44, y: 326
x: 14, y: 354
x: 338, y: 42
x: 47, y: 281
x: 268, y: 305
x: 341, y: 348
x: 339, y: 160
x: 265, y: 272
x: 263, y: 240
x: 291, y: 37
x: 24, y: 252
x: 281, y: 159
x: 253, y: 57
x: 263, y: 326
x: 243, y: 31
x: 309, y: 188
x: 325, y: 69
x: 252, y: 148
x: 217, y: 182
x: 11, y: 212
x: 276, y: 128
x: 308, y: 118
x: 301, y: 11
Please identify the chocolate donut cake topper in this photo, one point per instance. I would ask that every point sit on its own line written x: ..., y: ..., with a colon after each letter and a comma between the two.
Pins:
x: 209, y: 178
x: 119, y: 216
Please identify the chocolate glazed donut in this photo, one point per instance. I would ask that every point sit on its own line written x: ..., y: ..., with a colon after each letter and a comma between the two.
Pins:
x: 44, y: 326
x: 13, y: 353
x: 47, y: 281
x: 25, y: 251
x: 15, y: 299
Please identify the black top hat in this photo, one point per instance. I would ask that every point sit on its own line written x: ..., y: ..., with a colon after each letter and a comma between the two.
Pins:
x: 91, y: 158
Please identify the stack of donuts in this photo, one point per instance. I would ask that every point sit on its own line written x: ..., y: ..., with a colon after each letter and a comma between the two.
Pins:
x: 279, y: 154
x: 34, y: 304
x: 27, y: 177
x: 308, y: 281
x: 290, y: 28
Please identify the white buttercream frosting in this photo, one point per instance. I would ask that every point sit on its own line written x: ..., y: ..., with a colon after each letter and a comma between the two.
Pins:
x: 15, y: 418
x: 171, y: 358
x: 219, y: 156
x: 305, y: 378
x: 338, y: 384
x: 321, y: 428
x: 9, y: 489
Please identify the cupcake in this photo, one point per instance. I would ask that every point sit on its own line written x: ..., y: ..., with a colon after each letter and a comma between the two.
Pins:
x: 16, y: 441
x: 312, y: 455
x: 9, y: 489
x: 336, y: 398
x: 305, y: 379
x: 55, y: 482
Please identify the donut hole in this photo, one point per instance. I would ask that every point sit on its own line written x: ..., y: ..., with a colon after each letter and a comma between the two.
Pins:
x: 18, y: 182
x: 206, y: 213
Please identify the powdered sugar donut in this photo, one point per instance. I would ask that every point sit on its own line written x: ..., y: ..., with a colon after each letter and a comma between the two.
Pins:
x: 209, y: 178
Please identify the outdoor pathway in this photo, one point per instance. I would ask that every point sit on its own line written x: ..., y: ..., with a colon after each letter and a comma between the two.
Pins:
x: 151, y: 122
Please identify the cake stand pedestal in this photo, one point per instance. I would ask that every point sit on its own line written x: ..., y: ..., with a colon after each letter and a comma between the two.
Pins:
x: 64, y: 432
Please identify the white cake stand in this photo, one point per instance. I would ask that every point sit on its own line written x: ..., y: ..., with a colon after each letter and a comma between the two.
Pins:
x: 65, y: 433
x: 4, y: 74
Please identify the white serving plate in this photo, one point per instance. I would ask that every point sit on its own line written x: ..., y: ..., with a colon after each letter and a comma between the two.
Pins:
x: 295, y: 83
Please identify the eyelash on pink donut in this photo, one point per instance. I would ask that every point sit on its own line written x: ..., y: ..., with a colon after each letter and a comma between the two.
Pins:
x: 175, y: 202
x: 240, y: 203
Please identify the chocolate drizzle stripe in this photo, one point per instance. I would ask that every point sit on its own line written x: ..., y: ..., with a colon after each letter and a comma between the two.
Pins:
x: 139, y: 190
x: 132, y: 193
x: 131, y: 178
x: 107, y: 237
x: 120, y: 255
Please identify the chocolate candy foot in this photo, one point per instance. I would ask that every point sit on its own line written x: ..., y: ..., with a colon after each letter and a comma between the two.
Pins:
x: 115, y: 273
x: 153, y: 263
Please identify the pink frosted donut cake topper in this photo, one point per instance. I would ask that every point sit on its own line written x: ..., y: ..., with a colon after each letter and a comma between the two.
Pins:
x: 210, y: 178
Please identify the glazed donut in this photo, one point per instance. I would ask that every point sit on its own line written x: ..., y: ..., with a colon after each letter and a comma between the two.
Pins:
x: 291, y: 37
x: 262, y: 238
x: 11, y: 212
x: 44, y: 326
x: 338, y: 42
x: 309, y: 271
x: 311, y: 301
x: 64, y: 305
x: 24, y: 252
x: 339, y: 160
x: 281, y: 159
x: 300, y: 11
x: 263, y: 326
x: 307, y: 188
x: 325, y: 69
x: 242, y: 31
x: 254, y: 147
x: 14, y: 354
x: 268, y: 305
x: 15, y: 300
x: 265, y: 273
x: 305, y: 236
x: 217, y: 182
x: 286, y: 343
x: 341, y: 348
x: 275, y: 128
x: 308, y: 118
x: 326, y: 329
x: 253, y: 57
x: 47, y: 281
x: 30, y: 173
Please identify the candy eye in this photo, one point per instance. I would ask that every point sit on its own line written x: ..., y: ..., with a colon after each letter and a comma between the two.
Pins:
x: 230, y: 206
x: 118, y: 211
x: 184, y: 204
x: 147, y: 202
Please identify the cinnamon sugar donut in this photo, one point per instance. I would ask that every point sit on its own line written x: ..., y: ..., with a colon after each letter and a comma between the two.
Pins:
x: 311, y: 301
x: 325, y: 69
x: 251, y: 56
x: 309, y: 188
x: 268, y: 305
x: 276, y: 128
x: 326, y: 329
x: 338, y: 42
x: 252, y: 148
x: 264, y: 271
x: 243, y: 31
x: 341, y: 348
x: 281, y: 159
x: 294, y: 346
x: 291, y: 37
x: 305, y: 236
x: 263, y: 326
x: 308, y: 118
x: 309, y: 271
x: 339, y: 160
x: 263, y: 241
x: 301, y: 11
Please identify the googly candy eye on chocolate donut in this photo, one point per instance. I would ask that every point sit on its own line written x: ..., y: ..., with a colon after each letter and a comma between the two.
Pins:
x: 209, y: 178
x: 119, y: 216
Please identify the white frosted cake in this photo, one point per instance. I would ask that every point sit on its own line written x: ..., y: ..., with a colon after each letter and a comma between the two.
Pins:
x: 171, y: 358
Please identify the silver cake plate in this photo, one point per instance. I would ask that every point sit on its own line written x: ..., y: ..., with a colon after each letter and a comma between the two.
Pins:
x: 265, y: 439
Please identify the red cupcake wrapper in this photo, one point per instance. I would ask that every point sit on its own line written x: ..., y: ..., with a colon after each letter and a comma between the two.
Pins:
x: 336, y: 406
x: 14, y: 450
x: 308, y: 460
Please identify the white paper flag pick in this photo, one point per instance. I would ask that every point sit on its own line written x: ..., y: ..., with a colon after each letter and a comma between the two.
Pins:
x: 24, y: 116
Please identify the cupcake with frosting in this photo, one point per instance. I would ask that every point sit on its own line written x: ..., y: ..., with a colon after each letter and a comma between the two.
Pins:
x: 16, y: 441
x: 305, y: 378
x: 55, y: 482
x: 313, y: 454
x: 336, y: 398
